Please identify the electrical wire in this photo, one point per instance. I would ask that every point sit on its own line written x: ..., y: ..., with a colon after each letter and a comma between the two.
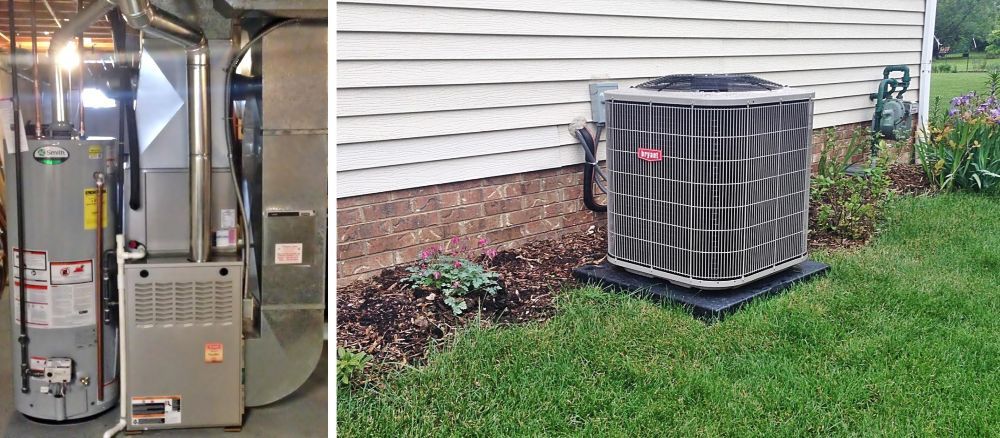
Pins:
x: 230, y: 146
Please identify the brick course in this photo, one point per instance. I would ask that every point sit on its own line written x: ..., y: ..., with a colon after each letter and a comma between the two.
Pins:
x: 385, y: 229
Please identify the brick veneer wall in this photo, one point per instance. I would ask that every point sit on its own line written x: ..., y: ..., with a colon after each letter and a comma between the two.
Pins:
x: 384, y: 229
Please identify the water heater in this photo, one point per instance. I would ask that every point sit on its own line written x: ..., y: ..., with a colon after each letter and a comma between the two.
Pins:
x: 69, y: 372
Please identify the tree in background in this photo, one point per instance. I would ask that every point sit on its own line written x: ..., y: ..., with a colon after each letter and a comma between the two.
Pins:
x: 959, y: 21
x: 994, y: 41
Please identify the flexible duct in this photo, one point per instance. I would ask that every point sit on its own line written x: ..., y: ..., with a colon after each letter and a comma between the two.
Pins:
x: 142, y: 15
x: 60, y: 40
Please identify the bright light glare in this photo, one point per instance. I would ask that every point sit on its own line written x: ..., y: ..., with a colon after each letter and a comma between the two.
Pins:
x: 94, y: 98
x: 68, y: 56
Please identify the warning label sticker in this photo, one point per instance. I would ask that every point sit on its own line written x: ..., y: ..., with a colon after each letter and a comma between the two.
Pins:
x: 57, y: 306
x: 156, y: 410
x: 94, y: 152
x: 37, y: 304
x: 32, y: 259
x: 287, y: 253
x: 90, y: 209
x: 213, y: 352
x: 72, y: 272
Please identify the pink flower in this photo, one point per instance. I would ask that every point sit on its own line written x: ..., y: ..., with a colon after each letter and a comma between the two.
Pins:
x: 455, y: 240
x: 425, y: 254
x: 458, y: 264
x: 483, y: 241
x: 437, y: 275
x: 455, y: 284
x: 491, y: 253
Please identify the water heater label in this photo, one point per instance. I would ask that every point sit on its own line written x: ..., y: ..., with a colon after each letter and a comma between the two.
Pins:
x: 288, y: 253
x: 650, y: 155
x: 72, y: 272
x: 90, y: 209
x: 72, y: 306
x: 50, y: 155
x: 37, y: 304
x: 32, y: 259
x: 94, y: 152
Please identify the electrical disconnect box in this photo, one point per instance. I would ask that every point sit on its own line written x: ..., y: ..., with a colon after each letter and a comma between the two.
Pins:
x: 597, y: 100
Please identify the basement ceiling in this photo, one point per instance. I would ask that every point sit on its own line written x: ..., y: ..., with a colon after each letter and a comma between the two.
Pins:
x: 49, y: 16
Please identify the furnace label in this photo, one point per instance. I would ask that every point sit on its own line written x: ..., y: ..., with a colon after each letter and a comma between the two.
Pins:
x: 156, y: 410
x: 72, y: 272
x: 94, y: 152
x: 213, y: 352
x: 90, y: 209
x: 287, y: 253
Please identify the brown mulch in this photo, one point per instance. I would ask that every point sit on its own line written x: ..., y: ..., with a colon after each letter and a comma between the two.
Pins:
x: 395, y: 323
x: 909, y: 179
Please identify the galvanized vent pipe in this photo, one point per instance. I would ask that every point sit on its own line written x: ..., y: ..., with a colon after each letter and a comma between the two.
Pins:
x: 60, y: 41
x: 142, y: 15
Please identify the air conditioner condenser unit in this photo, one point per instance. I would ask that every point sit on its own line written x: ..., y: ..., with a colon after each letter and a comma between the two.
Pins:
x: 709, y: 178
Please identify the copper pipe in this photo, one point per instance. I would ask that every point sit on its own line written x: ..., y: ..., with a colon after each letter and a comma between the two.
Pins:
x: 34, y: 67
x: 99, y: 283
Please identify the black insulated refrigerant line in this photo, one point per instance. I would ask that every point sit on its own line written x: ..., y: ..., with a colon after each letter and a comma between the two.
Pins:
x: 591, y: 169
x: 22, y: 337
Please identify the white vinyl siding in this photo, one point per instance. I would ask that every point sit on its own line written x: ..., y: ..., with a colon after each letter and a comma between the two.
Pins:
x: 430, y: 94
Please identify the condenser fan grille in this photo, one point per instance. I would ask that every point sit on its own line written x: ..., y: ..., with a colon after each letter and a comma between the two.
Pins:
x: 709, y: 83
x: 708, y: 194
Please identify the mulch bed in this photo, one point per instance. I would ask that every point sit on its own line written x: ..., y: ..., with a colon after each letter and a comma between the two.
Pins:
x: 909, y: 179
x: 395, y: 323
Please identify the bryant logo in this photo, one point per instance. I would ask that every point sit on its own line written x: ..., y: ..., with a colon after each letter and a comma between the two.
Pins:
x: 650, y: 155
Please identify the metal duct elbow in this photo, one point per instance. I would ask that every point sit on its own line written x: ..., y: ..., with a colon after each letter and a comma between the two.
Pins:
x: 60, y: 40
x: 142, y: 15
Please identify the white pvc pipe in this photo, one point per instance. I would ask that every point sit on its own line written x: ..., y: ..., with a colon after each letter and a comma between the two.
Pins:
x: 121, y: 256
x: 926, y: 57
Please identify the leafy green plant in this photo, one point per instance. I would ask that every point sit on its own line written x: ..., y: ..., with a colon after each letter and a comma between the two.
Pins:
x: 941, y: 67
x: 835, y: 159
x: 453, y: 272
x: 349, y: 364
x: 962, y: 152
x: 850, y: 206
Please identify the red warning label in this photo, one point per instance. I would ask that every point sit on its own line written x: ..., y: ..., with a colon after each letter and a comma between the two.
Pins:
x: 77, y: 272
x: 213, y: 352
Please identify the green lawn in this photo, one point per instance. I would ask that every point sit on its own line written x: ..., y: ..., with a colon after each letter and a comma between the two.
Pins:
x: 949, y: 85
x: 902, y: 338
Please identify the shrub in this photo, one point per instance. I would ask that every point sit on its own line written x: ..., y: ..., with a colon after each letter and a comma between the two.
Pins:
x: 349, y: 364
x: 452, y: 272
x: 941, y: 67
x: 849, y: 206
x: 962, y: 152
x: 832, y: 161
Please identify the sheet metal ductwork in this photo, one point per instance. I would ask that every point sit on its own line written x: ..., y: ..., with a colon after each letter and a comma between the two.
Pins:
x: 142, y: 15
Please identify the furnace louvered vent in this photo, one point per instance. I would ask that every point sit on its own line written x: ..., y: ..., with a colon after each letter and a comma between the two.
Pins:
x: 708, y: 178
x: 179, y: 303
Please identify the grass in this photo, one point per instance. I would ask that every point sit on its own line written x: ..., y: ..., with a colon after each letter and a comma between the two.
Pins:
x: 901, y: 338
x: 949, y: 85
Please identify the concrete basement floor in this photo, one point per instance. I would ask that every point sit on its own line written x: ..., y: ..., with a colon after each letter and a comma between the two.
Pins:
x: 302, y: 414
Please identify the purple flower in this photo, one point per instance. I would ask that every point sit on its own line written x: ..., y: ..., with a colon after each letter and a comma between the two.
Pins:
x: 437, y: 275
x: 953, y: 111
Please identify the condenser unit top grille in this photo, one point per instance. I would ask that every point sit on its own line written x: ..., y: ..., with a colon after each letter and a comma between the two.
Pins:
x: 709, y: 83
x: 712, y: 90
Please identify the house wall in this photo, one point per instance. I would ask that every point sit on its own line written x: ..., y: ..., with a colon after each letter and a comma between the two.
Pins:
x: 453, y: 120
x: 480, y: 88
